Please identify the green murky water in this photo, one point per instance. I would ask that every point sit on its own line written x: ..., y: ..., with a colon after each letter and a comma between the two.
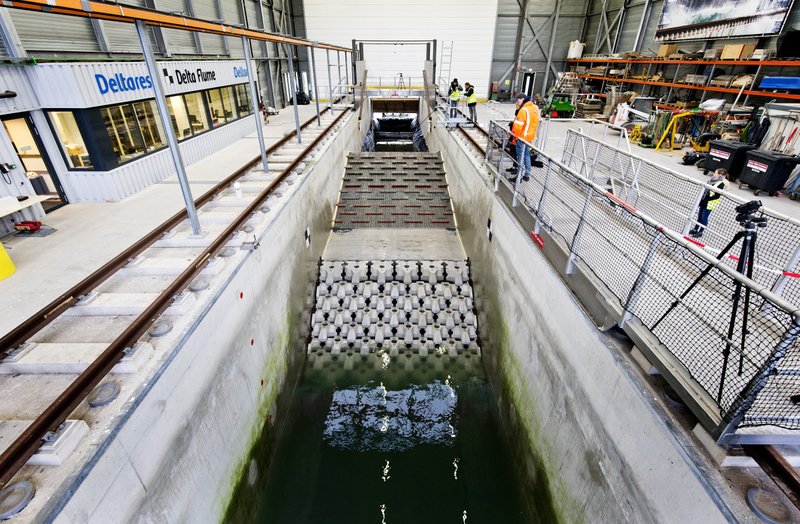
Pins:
x: 399, y: 439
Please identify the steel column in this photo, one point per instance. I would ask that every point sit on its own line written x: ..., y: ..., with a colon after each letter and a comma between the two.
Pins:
x: 330, y: 83
x: 293, y: 91
x: 254, y: 102
x: 339, y: 70
x: 314, y: 81
x: 523, y: 15
x: 550, y: 48
x: 637, y: 43
x: 166, y: 123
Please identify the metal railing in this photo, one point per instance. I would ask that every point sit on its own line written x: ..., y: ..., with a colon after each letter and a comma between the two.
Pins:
x: 673, y: 199
x: 742, y: 353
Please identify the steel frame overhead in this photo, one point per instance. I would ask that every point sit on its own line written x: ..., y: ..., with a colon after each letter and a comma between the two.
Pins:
x: 97, y: 10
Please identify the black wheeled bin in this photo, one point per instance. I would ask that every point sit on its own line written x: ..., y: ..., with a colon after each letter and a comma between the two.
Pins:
x: 767, y: 170
x: 728, y: 155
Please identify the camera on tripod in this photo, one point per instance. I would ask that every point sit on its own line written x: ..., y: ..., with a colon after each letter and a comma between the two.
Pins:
x: 745, y: 214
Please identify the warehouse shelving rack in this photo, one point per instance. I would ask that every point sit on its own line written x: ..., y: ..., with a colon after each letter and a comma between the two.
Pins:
x: 705, y: 88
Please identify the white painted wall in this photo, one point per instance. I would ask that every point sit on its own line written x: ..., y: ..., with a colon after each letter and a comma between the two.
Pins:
x: 470, y: 24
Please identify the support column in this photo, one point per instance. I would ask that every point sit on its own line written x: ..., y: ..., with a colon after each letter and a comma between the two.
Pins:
x: 339, y: 71
x: 550, y: 48
x: 312, y: 61
x: 330, y: 82
x: 523, y: 16
x: 293, y: 91
x: 248, y: 60
x: 166, y: 123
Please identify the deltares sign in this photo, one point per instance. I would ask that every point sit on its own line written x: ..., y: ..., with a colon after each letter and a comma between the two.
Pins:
x: 121, y: 83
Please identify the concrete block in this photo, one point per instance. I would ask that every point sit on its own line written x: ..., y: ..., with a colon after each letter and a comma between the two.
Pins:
x: 64, y: 442
x: 642, y: 362
x: 71, y: 358
x: 171, y: 266
x: 129, y: 304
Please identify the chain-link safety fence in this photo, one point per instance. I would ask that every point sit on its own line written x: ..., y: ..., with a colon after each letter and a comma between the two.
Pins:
x: 732, y: 335
x: 673, y: 199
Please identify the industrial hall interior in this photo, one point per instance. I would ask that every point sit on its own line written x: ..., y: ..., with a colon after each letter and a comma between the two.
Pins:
x: 369, y: 261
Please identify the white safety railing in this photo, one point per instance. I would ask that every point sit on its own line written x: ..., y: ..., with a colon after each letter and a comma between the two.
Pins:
x: 674, y: 199
x: 730, y: 336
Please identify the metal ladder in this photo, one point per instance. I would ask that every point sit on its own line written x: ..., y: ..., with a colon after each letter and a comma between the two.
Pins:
x: 445, y: 63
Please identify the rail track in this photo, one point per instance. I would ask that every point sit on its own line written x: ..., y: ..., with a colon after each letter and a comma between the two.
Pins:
x: 201, y: 254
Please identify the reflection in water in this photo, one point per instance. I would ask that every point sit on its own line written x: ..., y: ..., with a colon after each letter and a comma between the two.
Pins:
x: 429, y: 425
x: 360, y: 420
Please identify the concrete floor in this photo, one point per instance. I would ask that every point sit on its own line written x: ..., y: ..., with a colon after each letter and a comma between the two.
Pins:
x: 90, y: 234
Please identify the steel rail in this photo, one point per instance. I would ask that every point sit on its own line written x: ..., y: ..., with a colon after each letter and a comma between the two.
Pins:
x: 130, y: 13
x: 50, y: 312
x: 18, y: 453
x: 778, y: 469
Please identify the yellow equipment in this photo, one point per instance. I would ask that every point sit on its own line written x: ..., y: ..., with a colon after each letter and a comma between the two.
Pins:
x: 6, y: 265
x: 671, y: 130
x: 636, y: 134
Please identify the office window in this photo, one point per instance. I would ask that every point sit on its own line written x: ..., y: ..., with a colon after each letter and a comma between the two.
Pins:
x: 196, y: 108
x: 179, y: 117
x: 71, y: 140
x: 150, y: 124
x: 122, y: 127
x: 230, y: 103
x: 216, y: 107
x: 243, y: 104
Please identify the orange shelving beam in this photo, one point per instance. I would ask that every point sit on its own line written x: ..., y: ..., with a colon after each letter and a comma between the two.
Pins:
x: 765, y: 63
x: 766, y: 94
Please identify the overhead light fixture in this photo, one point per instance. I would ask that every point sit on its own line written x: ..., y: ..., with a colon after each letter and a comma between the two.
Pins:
x: 8, y: 94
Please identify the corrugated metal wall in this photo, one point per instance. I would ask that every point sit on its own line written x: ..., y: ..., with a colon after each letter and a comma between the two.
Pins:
x: 470, y: 24
x: 54, y: 33
x: 539, y: 15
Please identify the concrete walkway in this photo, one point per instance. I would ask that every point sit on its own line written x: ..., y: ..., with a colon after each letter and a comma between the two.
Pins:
x: 90, y: 234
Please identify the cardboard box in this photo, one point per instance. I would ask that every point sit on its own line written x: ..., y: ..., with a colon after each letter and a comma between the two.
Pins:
x: 664, y: 50
x: 737, y: 51
x: 711, y: 54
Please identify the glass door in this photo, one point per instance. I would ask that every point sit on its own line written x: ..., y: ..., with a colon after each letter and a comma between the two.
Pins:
x: 37, y: 166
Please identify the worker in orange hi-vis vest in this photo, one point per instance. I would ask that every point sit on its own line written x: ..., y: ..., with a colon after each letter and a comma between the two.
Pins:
x: 525, y: 124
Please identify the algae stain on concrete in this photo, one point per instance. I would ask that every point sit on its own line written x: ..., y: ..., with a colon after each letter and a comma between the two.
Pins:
x: 547, y: 497
x: 245, y: 485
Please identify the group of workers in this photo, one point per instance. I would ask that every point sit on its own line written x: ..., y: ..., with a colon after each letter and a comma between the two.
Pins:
x: 525, y: 125
x: 468, y: 91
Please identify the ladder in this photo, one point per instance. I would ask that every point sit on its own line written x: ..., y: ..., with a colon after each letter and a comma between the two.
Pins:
x: 445, y: 63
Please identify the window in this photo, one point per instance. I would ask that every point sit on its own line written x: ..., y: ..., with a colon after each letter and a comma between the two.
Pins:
x: 71, y: 140
x: 216, y: 107
x: 198, y: 118
x: 243, y: 104
x: 126, y: 138
x: 188, y: 114
x: 179, y: 117
x: 150, y: 124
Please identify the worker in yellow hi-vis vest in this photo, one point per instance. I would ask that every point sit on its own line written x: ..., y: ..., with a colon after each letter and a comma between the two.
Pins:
x: 454, y: 94
x: 472, y: 101
x: 710, y: 201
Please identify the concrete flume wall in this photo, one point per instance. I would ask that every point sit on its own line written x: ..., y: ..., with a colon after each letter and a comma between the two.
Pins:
x: 584, y: 433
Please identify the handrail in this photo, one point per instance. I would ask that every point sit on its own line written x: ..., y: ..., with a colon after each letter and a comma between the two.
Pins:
x: 687, y: 178
x: 755, y: 287
x: 17, y: 454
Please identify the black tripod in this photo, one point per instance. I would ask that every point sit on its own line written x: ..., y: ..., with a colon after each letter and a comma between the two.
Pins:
x: 747, y: 219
